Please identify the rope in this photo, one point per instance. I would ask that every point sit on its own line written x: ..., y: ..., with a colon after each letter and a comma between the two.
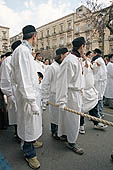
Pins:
x: 84, y: 115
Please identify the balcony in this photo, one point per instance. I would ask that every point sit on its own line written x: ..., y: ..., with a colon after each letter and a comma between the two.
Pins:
x: 69, y: 29
x: 4, y: 39
x: 61, y: 32
x: 42, y: 48
x: 61, y: 45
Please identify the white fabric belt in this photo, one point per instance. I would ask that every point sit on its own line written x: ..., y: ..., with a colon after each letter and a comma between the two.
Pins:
x: 75, y: 89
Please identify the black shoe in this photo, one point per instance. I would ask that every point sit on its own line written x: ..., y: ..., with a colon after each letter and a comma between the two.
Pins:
x: 112, y: 156
x: 75, y: 148
x: 63, y: 138
x: 55, y: 136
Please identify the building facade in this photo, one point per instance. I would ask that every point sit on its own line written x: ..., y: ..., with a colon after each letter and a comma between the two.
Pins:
x: 61, y: 32
x: 4, y: 39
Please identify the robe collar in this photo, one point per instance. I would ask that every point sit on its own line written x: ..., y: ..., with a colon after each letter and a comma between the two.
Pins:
x: 96, y: 57
x: 27, y: 44
x: 76, y: 53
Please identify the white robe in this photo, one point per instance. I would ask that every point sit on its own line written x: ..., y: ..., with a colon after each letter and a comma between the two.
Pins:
x: 24, y: 75
x: 8, y: 89
x: 109, y: 86
x: 68, y: 91
x: 49, y: 90
x: 39, y: 66
x: 100, y: 78
x: 90, y: 95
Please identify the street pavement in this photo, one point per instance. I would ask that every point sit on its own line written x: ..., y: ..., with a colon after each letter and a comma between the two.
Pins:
x: 54, y: 155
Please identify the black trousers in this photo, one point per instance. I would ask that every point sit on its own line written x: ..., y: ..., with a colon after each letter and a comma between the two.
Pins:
x: 29, y: 150
x: 3, y: 113
x: 54, y: 128
x: 81, y: 120
x: 94, y: 112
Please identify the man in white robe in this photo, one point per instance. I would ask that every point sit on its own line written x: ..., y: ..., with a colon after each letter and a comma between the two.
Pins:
x: 49, y: 89
x: 7, y: 88
x: 39, y: 64
x: 109, y: 87
x: 69, y: 90
x: 100, y: 79
x: 3, y: 102
x: 24, y: 75
x: 90, y: 95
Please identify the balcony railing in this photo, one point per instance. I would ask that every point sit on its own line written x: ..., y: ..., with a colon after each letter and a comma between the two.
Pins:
x: 42, y: 48
x: 3, y: 38
x: 69, y: 29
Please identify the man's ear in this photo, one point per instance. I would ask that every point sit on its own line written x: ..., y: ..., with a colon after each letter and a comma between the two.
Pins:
x: 34, y: 36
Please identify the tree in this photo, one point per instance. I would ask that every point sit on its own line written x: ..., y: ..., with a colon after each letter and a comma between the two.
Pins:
x: 100, y: 19
x: 110, y: 21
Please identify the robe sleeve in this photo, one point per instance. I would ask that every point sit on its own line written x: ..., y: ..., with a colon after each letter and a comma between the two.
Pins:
x: 63, y: 80
x: 6, y: 86
x: 24, y: 76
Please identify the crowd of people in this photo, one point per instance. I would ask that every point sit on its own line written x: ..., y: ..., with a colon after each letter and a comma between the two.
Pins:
x: 76, y: 79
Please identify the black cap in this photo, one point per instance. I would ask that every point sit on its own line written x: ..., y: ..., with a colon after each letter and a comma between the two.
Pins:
x: 8, y: 54
x: 61, y: 51
x: 28, y: 29
x: 15, y: 44
x: 110, y: 56
x: 40, y: 74
x: 88, y: 53
x: 3, y: 55
x: 98, y: 51
x: 78, y: 42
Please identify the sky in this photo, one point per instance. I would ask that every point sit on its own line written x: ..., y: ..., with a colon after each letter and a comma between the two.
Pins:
x: 16, y: 14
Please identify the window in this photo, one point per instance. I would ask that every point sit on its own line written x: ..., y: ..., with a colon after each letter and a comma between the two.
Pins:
x: 48, y: 32
x: 54, y: 43
x: 62, y: 41
x: 48, y: 43
x: 69, y: 39
x: 54, y: 30
x: 61, y: 27
x: 69, y: 26
x: 77, y: 28
x: 4, y: 35
x: 42, y: 45
x: 41, y: 34
x: 80, y: 10
x: 88, y: 27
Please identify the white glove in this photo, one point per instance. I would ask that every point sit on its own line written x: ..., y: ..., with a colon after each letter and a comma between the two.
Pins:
x: 34, y: 108
x: 61, y: 106
x: 44, y: 104
x: 12, y: 102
